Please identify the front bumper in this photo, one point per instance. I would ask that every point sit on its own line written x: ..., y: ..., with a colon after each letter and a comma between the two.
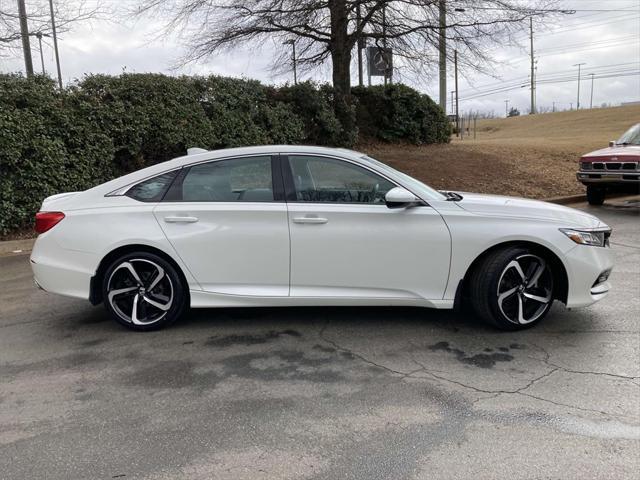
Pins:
x: 585, y: 264
x: 592, y: 177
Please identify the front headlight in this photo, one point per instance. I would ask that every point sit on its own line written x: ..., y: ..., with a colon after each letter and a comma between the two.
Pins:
x: 598, y: 237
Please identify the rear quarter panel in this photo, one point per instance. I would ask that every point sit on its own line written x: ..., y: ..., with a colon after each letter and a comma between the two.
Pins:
x: 85, y: 236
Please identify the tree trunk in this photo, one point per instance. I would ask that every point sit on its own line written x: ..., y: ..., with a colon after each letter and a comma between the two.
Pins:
x: 341, y: 64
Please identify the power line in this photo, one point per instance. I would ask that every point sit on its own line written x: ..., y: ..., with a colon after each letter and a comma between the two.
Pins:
x: 572, y: 79
x: 524, y: 78
x: 581, y: 26
x: 552, y: 79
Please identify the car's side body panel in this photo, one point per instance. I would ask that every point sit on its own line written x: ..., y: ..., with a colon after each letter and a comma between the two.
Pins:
x: 474, y: 234
x: 200, y: 299
x: 64, y: 259
x: 368, y: 251
x: 232, y: 248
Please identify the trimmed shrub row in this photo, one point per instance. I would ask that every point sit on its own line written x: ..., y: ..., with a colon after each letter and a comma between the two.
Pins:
x: 103, y: 126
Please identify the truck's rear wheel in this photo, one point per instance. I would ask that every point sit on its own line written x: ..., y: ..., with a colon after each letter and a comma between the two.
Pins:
x: 595, y: 195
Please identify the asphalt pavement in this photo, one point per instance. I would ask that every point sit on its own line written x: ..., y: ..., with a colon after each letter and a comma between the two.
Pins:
x: 323, y: 393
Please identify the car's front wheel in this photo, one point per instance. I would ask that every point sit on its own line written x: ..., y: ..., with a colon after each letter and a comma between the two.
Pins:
x: 143, y: 291
x: 512, y: 288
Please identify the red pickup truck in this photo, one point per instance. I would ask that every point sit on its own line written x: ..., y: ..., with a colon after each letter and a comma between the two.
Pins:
x: 613, y: 169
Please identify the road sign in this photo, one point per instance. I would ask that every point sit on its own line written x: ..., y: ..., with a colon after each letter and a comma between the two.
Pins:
x: 380, y: 61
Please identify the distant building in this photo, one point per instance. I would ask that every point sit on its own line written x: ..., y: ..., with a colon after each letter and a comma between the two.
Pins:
x: 624, y: 104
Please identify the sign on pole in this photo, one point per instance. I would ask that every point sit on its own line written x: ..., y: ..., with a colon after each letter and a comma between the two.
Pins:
x: 380, y: 61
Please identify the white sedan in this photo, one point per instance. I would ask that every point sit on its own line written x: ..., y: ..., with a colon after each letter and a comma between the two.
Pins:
x: 291, y: 225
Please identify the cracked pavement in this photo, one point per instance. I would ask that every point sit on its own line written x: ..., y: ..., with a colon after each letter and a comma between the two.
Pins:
x: 319, y: 393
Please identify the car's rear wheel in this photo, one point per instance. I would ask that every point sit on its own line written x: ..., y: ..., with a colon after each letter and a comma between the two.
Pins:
x: 512, y: 288
x: 143, y: 291
x: 595, y: 195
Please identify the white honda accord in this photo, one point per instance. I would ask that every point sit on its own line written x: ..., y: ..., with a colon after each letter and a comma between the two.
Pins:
x: 291, y: 225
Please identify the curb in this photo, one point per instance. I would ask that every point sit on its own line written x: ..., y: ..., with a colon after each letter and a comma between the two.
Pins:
x: 567, y: 200
x: 16, y: 247
x: 583, y: 198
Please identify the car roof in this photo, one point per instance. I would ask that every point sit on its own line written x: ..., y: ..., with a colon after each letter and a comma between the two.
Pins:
x: 266, y: 149
x: 211, y: 155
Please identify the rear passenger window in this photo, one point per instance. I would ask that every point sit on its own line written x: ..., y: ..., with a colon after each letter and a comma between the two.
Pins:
x: 152, y: 190
x: 236, y: 180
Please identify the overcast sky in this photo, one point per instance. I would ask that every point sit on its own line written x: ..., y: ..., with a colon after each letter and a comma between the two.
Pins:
x: 603, y: 34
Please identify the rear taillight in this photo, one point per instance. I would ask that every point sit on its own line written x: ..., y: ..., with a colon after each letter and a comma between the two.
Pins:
x: 47, y: 220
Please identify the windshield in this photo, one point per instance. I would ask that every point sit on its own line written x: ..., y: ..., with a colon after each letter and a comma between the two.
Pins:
x: 631, y: 136
x: 416, y: 186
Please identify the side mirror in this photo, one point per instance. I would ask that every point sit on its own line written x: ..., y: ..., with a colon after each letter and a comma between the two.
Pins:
x: 400, y: 198
x: 612, y: 143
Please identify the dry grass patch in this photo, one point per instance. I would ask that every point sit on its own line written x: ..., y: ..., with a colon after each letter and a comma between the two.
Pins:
x: 531, y: 156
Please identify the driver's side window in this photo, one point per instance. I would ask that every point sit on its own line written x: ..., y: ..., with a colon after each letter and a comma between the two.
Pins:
x: 328, y: 180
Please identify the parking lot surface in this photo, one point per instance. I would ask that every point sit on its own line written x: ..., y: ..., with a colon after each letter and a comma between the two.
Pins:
x: 327, y: 393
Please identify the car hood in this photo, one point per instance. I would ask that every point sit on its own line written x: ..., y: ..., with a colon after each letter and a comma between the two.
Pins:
x: 496, y: 205
x: 605, y: 154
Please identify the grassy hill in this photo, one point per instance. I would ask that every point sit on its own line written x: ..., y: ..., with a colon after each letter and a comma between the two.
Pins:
x: 581, y: 129
x: 531, y: 156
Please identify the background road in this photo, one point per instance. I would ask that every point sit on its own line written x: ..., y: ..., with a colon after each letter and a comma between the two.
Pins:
x: 322, y: 392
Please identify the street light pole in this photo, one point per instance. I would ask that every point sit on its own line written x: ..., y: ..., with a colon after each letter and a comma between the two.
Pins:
x: 579, y: 65
x: 455, y: 68
x: 533, y: 79
x: 442, y: 47
x: 360, y: 45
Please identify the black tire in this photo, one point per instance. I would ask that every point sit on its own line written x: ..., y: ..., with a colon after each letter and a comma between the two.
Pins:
x: 496, y: 275
x: 153, y: 286
x: 595, y: 195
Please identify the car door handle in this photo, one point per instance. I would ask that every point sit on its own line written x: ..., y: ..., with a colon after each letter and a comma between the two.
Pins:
x: 312, y: 220
x: 180, y: 219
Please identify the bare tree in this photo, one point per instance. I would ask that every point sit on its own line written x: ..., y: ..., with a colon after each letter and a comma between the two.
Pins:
x: 66, y: 12
x: 330, y: 29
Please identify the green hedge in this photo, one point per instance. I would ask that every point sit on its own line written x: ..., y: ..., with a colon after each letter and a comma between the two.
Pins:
x: 103, y: 126
x: 49, y: 143
x: 397, y: 113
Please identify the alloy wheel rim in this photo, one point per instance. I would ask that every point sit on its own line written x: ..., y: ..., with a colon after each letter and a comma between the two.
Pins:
x: 525, y: 289
x: 140, y: 291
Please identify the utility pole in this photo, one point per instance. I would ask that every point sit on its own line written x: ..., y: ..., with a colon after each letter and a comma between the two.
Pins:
x: 442, y: 46
x: 579, y: 65
x: 55, y: 43
x: 570, y: 105
x: 384, y: 42
x: 591, y: 102
x: 553, y: 108
x: 452, y: 102
x: 455, y: 67
x: 360, y: 46
x: 506, y: 108
x: 293, y: 58
x: 39, y: 37
x: 24, y: 33
x: 533, y: 84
